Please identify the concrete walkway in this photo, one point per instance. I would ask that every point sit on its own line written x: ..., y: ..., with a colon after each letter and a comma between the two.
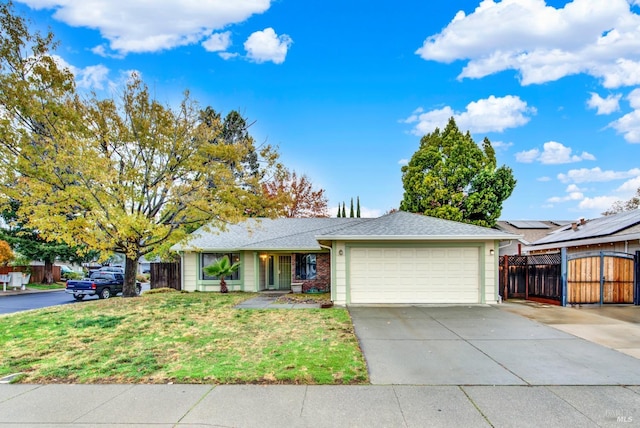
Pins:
x: 317, y: 406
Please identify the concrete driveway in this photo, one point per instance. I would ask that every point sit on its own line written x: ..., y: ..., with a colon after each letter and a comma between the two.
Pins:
x: 480, y: 345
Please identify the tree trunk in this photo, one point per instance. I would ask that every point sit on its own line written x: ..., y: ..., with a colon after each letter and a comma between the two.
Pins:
x: 223, y: 286
x: 130, y: 271
x: 48, y: 272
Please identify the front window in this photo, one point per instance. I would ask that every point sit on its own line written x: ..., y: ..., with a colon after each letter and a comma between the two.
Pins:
x: 207, y: 259
x: 305, y: 266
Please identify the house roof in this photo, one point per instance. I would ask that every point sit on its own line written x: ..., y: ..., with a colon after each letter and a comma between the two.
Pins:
x: 304, y: 233
x: 265, y: 234
x: 531, y: 230
x: 613, y: 228
x: 401, y: 225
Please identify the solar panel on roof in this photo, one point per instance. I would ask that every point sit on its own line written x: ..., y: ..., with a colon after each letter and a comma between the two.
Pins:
x: 529, y: 224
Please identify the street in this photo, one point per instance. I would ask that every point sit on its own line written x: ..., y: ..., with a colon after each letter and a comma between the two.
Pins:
x: 17, y: 303
x: 25, y: 302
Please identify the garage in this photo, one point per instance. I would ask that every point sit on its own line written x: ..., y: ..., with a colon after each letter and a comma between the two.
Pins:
x: 414, y: 274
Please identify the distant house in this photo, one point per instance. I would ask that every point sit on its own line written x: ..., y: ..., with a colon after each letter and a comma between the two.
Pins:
x: 397, y: 258
x: 619, y: 232
x: 529, y: 230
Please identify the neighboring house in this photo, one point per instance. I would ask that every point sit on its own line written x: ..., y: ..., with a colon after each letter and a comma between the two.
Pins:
x: 619, y: 232
x: 531, y: 231
x: 397, y: 258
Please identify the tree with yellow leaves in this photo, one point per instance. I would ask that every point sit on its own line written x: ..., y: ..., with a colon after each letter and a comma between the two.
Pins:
x: 128, y: 174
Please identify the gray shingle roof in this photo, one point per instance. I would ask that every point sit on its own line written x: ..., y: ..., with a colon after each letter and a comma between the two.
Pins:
x: 266, y: 234
x: 599, y: 227
x: 304, y: 233
x: 406, y: 226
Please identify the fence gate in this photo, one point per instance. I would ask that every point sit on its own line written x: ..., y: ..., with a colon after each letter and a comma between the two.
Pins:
x: 604, y: 277
x: 165, y: 275
x: 536, y: 277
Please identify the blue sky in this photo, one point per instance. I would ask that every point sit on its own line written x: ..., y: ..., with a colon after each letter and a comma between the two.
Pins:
x: 346, y: 89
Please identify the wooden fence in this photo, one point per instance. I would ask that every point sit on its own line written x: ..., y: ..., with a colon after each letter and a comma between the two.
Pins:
x: 165, y: 275
x: 536, y: 277
x: 594, y: 277
x: 37, y: 272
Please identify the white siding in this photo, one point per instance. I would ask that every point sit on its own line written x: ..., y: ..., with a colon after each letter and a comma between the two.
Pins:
x: 415, y: 275
x: 248, y: 271
x: 190, y: 271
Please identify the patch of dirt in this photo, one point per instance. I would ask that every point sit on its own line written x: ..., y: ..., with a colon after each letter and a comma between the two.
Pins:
x: 304, y: 298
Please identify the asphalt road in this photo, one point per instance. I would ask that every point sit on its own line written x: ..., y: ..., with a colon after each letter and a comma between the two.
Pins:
x: 25, y: 302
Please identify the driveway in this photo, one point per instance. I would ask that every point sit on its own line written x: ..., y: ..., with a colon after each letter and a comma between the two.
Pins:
x: 480, y: 345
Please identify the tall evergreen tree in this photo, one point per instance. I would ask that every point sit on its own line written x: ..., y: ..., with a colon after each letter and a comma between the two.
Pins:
x: 451, y: 177
x: 338, y: 216
x: 351, y: 209
x: 344, y: 212
x: 358, y: 208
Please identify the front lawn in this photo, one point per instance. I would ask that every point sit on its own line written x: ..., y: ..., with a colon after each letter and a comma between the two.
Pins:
x: 180, y: 338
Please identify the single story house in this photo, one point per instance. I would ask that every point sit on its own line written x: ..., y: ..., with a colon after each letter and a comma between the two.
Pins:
x: 618, y: 232
x: 399, y: 258
x: 531, y: 231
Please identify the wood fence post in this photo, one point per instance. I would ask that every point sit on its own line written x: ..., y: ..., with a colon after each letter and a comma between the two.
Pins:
x: 505, y: 273
x: 636, y: 279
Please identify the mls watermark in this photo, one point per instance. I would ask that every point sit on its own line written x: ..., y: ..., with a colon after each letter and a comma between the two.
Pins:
x: 619, y: 415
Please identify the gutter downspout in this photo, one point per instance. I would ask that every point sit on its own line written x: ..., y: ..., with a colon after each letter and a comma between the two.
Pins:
x: 332, y: 267
x: 181, y: 270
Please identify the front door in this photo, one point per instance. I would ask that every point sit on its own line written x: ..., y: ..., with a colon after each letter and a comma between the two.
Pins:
x: 275, y: 272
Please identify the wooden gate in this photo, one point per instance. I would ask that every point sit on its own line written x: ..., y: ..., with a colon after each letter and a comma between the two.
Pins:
x: 536, y: 277
x: 604, y: 277
x: 165, y: 275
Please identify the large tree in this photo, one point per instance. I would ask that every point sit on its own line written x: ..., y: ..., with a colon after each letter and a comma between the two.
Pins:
x: 127, y: 175
x: 295, y: 195
x: 451, y: 177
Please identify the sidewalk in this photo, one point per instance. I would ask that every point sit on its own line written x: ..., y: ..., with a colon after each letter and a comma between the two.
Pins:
x: 317, y: 406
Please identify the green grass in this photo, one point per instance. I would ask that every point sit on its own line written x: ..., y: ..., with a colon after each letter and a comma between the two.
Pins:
x: 54, y: 286
x: 181, y: 338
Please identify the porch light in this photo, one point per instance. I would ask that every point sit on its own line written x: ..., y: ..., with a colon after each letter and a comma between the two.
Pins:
x: 491, y: 252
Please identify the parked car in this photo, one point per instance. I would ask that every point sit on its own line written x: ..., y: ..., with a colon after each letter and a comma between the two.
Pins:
x: 116, y: 269
x: 104, y: 284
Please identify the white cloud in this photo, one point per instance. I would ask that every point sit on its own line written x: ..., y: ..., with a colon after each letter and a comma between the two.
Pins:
x: 403, y: 162
x: 218, y: 42
x: 553, y: 153
x: 604, y: 105
x: 573, y: 196
x: 630, y: 186
x: 543, y: 43
x: 146, y: 26
x: 266, y: 45
x: 501, y: 145
x: 91, y: 77
x: 596, y: 174
x: 493, y: 114
x: 600, y: 203
x: 544, y: 179
x: 629, y: 124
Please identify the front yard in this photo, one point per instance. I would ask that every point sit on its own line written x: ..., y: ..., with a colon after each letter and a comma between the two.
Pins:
x: 180, y: 338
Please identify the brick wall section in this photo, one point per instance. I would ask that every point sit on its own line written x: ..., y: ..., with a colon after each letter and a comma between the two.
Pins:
x: 323, y: 273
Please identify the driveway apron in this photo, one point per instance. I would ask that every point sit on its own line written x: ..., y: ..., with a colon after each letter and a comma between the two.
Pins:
x: 480, y: 345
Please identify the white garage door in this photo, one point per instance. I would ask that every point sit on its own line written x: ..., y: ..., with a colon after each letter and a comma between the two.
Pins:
x: 414, y: 275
